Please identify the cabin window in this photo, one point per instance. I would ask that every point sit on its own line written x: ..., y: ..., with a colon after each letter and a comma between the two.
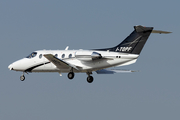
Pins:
x: 63, y: 55
x: 40, y: 56
x: 56, y: 55
x: 70, y: 55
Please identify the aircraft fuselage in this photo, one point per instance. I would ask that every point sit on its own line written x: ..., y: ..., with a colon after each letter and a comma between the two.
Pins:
x: 39, y: 63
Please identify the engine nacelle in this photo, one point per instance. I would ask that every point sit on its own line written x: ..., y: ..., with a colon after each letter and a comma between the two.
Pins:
x: 87, y: 55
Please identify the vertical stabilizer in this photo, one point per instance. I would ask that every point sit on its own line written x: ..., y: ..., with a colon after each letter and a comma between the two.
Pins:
x: 135, y: 42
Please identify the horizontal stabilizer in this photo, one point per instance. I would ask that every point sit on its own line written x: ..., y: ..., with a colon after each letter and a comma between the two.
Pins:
x: 161, y: 32
x: 112, y: 71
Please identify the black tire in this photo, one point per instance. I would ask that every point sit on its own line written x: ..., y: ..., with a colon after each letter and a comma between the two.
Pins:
x: 22, y: 78
x: 71, y: 75
x: 90, y: 79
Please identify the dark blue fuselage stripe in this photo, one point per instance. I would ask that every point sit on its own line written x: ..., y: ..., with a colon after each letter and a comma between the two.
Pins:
x: 31, y: 68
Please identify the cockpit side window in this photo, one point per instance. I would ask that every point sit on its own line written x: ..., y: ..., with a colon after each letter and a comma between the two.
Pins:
x: 33, y: 54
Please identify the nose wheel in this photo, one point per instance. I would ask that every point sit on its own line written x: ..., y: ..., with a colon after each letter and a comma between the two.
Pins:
x: 22, y: 77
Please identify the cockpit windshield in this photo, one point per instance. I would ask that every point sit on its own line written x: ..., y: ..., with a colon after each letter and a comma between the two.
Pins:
x: 33, y: 54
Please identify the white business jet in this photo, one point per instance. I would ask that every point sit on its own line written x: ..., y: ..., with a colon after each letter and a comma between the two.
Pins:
x: 87, y: 61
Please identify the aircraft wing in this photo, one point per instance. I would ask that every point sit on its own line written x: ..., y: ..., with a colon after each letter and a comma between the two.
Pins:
x: 112, y: 71
x: 59, y: 63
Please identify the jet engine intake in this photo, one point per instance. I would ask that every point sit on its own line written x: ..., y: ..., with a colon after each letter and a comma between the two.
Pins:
x: 96, y: 56
x: 87, y: 55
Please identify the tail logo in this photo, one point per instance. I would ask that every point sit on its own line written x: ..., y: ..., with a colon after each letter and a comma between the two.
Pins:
x: 123, y: 49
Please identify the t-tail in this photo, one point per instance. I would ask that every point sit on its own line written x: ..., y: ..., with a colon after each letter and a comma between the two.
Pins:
x: 135, y: 42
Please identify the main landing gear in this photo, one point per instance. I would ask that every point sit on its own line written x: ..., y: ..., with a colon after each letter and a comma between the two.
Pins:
x: 89, y: 78
x: 71, y: 75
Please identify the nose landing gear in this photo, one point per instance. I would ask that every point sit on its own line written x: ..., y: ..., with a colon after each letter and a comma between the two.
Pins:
x: 22, y: 77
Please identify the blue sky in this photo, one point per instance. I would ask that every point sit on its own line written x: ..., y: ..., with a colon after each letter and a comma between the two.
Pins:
x: 152, y: 93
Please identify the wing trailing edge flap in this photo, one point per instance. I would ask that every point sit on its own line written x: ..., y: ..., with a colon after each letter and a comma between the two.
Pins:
x: 112, y: 71
x: 59, y: 63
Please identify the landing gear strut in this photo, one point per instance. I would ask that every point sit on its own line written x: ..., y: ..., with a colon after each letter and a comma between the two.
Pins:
x: 71, y: 75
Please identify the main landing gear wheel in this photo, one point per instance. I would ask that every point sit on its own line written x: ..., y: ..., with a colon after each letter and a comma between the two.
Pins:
x: 90, y: 79
x: 71, y: 75
x: 22, y: 78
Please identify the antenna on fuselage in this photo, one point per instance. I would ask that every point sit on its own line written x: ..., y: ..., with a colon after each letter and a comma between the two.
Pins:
x: 67, y: 48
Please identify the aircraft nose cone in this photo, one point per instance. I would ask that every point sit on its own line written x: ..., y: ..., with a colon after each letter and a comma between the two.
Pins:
x: 10, y: 67
x: 19, y: 65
